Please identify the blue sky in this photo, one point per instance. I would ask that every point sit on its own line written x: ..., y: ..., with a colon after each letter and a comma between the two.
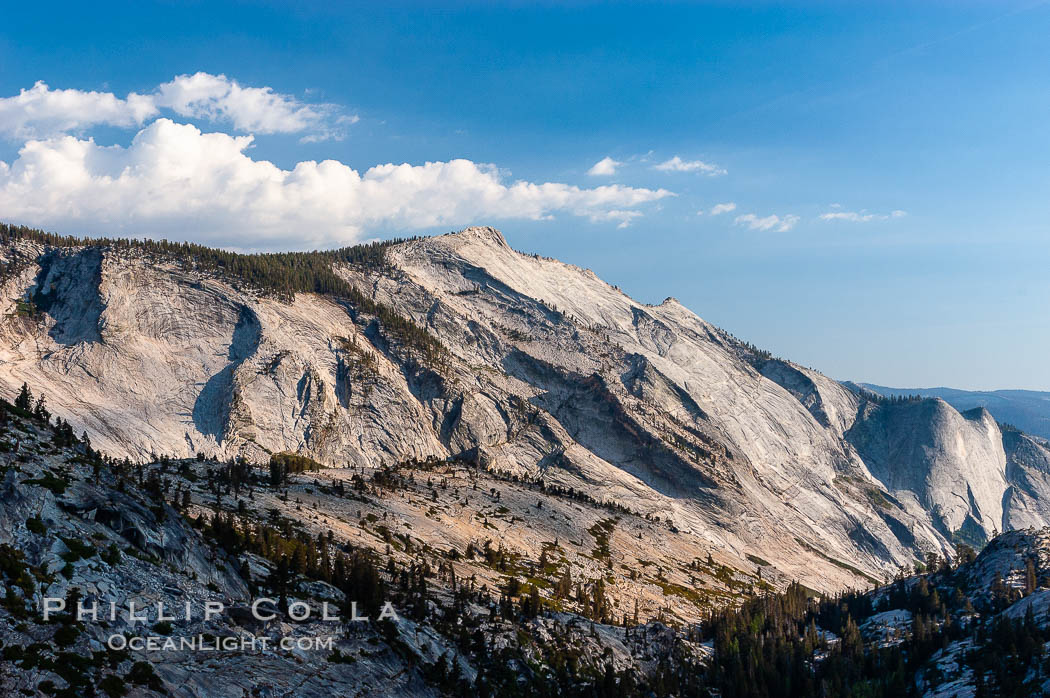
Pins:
x: 829, y: 116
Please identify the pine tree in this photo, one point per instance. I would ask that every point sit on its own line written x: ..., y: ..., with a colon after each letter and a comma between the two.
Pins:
x: 278, y: 581
x: 534, y: 602
x: 24, y: 401
x: 563, y: 587
x: 40, y: 411
x: 246, y: 574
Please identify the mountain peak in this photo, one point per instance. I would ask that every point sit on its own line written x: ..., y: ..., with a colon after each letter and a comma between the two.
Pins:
x: 482, y: 233
x: 457, y: 347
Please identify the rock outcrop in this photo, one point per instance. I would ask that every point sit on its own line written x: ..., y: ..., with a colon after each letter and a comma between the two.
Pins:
x: 544, y: 371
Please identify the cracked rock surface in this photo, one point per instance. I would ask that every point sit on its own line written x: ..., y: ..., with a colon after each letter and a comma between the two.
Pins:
x: 547, y: 372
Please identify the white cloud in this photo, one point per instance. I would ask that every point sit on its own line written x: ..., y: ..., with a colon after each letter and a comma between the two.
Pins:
x: 604, y: 168
x: 677, y: 164
x: 862, y: 216
x: 41, y: 112
x: 719, y: 209
x: 175, y: 181
x: 779, y: 224
x: 248, y: 109
x: 852, y: 216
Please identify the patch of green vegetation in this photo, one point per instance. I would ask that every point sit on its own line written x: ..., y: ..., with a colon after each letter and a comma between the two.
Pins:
x: 14, y: 569
x: 78, y: 550
x: 66, y: 635
x: 878, y: 499
x: 726, y: 575
x: 56, y: 484
x: 27, y: 308
x: 970, y: 534
x: 113, y: 686
x: 295, y: 463
x: 112, y: 555
x: 602, y: 531
x: 698, y: 597
x: 74, y: 669
x: 337, y: 657
x: 764, y: 586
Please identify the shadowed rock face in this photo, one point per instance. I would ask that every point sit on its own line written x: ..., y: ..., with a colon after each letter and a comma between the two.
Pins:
x: 211, y: 411
x: 954, y: 464
x: 66, y: 288
x: 547, y: 372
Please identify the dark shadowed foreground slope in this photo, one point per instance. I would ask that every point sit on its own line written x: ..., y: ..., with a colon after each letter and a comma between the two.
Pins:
x: 488, y: 617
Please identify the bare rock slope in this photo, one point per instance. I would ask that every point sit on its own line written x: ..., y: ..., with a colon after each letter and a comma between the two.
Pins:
x: 532, y: 368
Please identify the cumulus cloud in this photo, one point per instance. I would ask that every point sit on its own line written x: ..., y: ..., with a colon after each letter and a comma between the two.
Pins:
x: 677, y: 164
x: 719, y: 209
x: 248, y: 109
x: 41, y: 112
x: 175, y: 181
x: 862, y: 216
x: 779, y: 224
x: 604, y: 168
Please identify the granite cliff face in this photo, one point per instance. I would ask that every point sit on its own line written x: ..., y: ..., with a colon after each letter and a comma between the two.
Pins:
x: 1028, y: 410
x: 543, y: 371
